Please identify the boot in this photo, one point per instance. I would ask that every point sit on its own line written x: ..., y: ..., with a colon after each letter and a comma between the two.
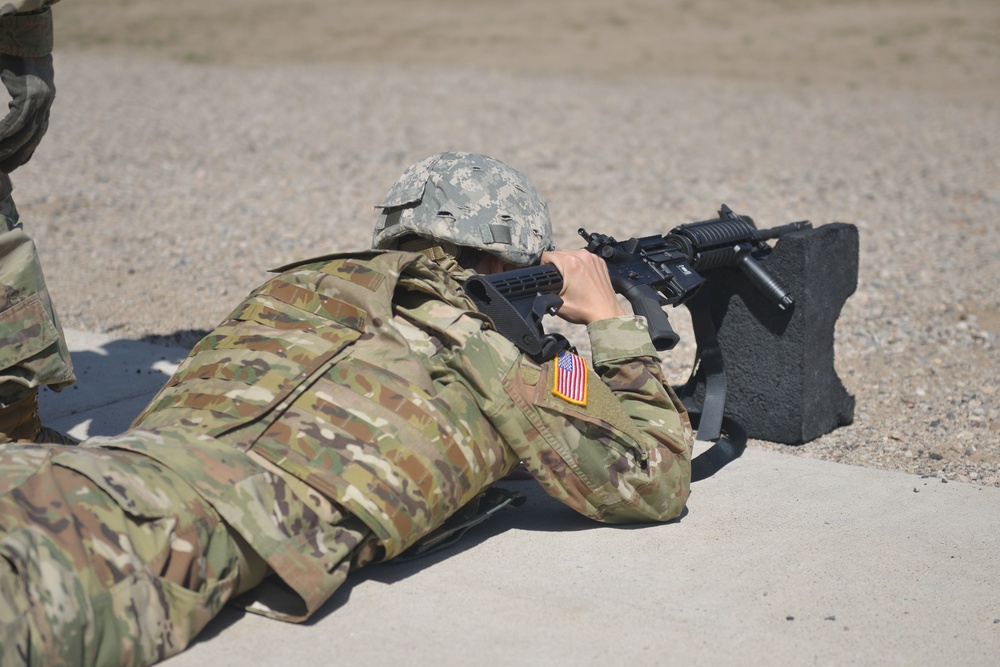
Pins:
x: 19, y: 422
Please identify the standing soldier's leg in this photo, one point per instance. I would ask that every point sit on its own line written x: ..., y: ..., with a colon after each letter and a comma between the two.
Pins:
x: 33, y: 351
x: 106, y: 558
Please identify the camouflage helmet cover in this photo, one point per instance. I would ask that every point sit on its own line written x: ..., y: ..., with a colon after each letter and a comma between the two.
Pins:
x: 470, y: 200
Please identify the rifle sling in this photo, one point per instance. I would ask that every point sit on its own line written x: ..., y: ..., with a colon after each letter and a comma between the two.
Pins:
x: 724, y: 451
x: 709, y: 361
x: 710, y: 419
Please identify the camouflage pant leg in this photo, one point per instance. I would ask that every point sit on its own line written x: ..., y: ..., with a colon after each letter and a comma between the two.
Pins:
x: 33, y: 350
x: 106, y: 558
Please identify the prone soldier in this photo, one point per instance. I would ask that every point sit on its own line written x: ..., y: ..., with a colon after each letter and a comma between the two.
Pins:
x: 338, y: 415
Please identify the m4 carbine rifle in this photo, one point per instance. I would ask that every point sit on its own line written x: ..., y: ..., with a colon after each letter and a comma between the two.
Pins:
x: 650, y: 272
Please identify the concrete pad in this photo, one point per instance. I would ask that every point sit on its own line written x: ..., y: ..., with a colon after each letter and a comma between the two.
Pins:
x: 115, y: 379
x: 779, y: 560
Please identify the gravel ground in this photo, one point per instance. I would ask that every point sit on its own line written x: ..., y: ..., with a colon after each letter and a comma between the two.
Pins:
x: 164, y: 190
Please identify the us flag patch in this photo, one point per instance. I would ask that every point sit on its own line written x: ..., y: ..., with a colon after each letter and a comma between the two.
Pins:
x: 570, y: 381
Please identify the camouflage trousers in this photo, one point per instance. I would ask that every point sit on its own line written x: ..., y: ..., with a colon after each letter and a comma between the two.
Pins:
x: 32, y: 347
x: 106, y: 558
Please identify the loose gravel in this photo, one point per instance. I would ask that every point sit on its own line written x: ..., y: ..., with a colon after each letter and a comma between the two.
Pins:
x: 164, y: 191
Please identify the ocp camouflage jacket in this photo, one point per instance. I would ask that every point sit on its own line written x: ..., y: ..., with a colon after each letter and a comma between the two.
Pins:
x: 371, y: 378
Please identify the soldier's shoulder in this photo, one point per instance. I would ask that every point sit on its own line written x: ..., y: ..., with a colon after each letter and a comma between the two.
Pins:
x: 358, y: 255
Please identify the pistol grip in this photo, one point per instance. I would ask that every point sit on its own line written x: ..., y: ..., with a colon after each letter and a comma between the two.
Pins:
x: 647, y: 302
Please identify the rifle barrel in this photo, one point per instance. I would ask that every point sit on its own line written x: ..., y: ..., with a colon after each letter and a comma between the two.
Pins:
x: 775, y: 232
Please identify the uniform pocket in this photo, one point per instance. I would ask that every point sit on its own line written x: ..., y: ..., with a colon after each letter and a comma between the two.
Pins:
x: 25, y: 330
x: 133, y: 481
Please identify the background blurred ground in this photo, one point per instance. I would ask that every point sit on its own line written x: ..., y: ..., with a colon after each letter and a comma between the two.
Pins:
x: 193, y: 145
x: 937, y: 45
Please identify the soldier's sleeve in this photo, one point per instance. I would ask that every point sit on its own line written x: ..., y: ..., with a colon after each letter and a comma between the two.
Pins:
x: 619, y: 448
x: 8, y: 7
x: 26, y: 27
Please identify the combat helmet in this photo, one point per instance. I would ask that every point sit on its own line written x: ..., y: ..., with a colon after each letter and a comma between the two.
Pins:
x: 470, y: 200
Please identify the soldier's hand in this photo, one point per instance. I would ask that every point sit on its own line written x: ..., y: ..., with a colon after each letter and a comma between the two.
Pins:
x: 587, y: 293
x: 31, y: 84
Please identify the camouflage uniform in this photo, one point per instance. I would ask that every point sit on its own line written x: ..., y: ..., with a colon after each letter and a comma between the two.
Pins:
x: 344, y: 410
x: 33, y: 351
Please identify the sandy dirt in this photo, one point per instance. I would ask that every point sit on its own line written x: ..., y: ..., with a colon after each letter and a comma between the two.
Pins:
x: 949, y: 47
